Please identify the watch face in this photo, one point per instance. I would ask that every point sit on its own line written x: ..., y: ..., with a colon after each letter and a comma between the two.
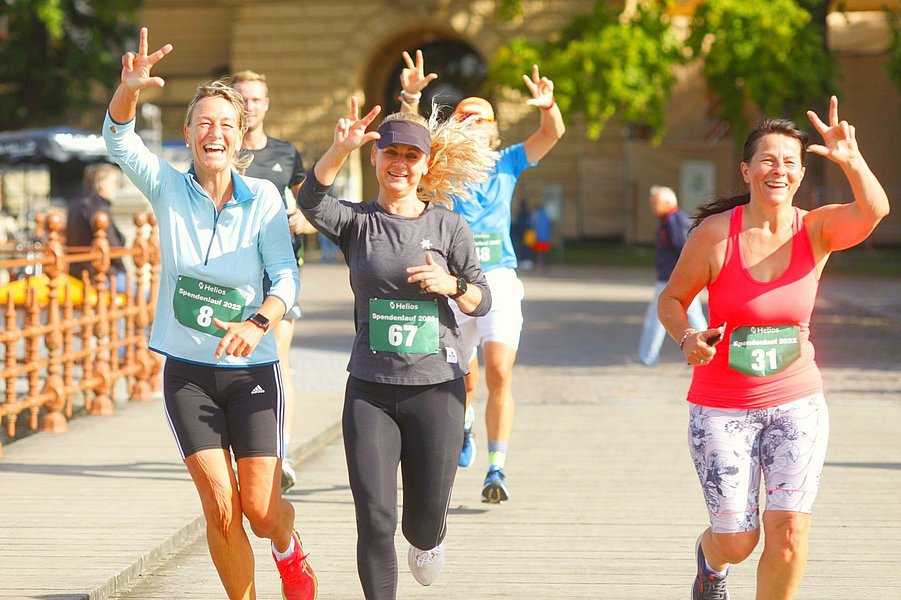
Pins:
x: 461, y: 285
x: 259, y: 320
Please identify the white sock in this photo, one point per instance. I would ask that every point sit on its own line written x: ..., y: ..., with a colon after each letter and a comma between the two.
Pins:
x: 287, y: 553
x: 469, y: 417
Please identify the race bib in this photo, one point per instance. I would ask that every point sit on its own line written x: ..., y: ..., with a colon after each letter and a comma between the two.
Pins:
x: 405, y: 326
x: 764, y: 350
x: 196, y: 303
x: 488, y: 248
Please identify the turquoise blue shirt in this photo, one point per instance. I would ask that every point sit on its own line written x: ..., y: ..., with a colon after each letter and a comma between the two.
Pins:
x: 488, y: 211
x: 228, y: 248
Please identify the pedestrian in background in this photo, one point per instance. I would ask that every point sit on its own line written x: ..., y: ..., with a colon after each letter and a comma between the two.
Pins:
x: 279, y: 162
x: 672, y: 231
x: 101, y: 184
x: 222, y: 392
x: 488, y: 213
x: 410, y: 258
x: 756, y: 404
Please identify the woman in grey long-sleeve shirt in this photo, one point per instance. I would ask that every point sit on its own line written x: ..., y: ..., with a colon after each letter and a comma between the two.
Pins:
x: 408, y: 257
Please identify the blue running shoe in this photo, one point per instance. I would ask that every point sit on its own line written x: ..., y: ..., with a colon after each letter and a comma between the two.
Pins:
x: 468, y: 453
x: 707, y: 586
x: 495, y: 490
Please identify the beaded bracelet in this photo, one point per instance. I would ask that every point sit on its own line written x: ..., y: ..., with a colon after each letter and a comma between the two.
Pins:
x: 685, y: 335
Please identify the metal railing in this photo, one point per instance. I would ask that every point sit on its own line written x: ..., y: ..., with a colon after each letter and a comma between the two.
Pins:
x: 67, y: 343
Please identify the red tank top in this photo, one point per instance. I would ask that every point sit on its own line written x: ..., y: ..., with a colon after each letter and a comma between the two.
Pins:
x: 743, y: 302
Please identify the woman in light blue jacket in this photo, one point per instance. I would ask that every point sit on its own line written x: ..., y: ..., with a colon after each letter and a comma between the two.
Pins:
x: 219, y: 232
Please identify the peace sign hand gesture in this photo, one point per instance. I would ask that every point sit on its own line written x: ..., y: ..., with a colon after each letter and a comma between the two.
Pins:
x: 413, y: 78
x: 350, y: 132
x: 839, y: 140
x: 542, y: 89
x: 136, y: 65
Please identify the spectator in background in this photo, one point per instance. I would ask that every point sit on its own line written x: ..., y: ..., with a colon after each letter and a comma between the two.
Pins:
x: 672, y: 231
x: 521, y: 224
x: 101, y: 184
x: 541, y: 249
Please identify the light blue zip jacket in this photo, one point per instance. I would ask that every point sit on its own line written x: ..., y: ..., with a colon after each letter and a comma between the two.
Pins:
x: 230, y: 248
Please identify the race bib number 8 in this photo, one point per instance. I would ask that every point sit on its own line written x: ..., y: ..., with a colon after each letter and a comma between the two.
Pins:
x: 488, y: 248
x: 196, y: 303
x: 404, y: 326
x: 764, y: 350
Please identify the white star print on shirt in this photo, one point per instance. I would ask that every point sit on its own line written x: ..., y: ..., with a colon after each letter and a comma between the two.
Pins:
x: 425, y: 244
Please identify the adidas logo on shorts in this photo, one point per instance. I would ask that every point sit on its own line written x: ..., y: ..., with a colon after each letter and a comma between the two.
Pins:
x: 257, y: 390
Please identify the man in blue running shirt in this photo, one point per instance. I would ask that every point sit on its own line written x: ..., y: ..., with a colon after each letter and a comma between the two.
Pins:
x: 489, y: 215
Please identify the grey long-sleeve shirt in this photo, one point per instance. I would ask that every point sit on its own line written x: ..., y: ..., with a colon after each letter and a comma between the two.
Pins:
x: 378, y: 248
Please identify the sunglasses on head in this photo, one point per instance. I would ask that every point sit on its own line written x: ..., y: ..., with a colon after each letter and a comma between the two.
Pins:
x: 479, y: 119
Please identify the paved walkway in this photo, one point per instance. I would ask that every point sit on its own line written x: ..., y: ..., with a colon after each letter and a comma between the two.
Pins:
x: 605, y: 503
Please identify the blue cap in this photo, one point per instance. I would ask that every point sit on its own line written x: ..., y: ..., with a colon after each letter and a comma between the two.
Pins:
x: 405, y: 132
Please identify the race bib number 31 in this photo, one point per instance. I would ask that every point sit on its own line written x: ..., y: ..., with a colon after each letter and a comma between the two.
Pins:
x: 197, y: 302
x: 405, y: 326
x: 764, y: 350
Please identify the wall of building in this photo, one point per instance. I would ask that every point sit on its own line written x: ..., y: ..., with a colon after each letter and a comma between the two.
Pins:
x: 316, y: 54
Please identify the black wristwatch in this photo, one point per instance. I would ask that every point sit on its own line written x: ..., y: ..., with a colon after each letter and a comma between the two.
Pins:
x: 260, y: 321
x: 462, y: 286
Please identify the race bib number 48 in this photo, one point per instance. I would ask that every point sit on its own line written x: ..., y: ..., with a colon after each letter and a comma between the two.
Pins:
x: 488, y: 248
x: 405, y: 326
x: 196, y: 303
x: 764, y: 350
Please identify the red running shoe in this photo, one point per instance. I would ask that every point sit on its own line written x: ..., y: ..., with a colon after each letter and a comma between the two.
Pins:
x: 298, y: 580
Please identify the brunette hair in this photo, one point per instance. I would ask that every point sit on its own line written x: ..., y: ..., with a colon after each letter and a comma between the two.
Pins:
x: 784, y: 127
x: 456, y: 159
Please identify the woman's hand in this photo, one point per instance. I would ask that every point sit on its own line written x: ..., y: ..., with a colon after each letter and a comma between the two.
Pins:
x: 839, y: 140
x: 542, y: 89
x: 432, y: 278
x: 136, y: 65
x: 698, y: 346
x: 350, y: 132
x: 241, y: 337
x: 413, y: 78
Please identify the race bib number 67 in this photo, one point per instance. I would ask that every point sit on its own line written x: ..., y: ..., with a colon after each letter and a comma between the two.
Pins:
x: 404, y: 326
x: 764, y: 349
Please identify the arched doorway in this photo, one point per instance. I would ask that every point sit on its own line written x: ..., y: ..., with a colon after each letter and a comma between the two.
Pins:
x: 461, y: 72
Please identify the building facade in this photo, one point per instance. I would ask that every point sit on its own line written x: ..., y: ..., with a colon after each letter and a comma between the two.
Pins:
x: 316, y: 54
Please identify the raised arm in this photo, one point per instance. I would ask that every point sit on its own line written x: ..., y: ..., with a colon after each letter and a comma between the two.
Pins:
x: 350, y: 134
x: 135, y: 77
x: 551, y: 128
x: 412, y: 81
x: 844, y: 225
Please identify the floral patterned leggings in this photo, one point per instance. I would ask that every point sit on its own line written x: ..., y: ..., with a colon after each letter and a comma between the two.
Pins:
x: 730, y: 449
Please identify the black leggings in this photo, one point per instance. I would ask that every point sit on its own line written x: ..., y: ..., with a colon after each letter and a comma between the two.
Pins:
x: 421, y: 427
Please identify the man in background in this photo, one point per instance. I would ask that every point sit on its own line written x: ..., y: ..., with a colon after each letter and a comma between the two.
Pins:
x: 672, y: 231
x: 279, y: 162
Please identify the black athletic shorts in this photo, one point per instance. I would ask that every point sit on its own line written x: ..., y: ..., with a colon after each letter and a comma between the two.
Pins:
x: 215, y: 407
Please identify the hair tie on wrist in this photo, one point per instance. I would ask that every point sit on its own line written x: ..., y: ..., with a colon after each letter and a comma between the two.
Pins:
x: 551, y: 105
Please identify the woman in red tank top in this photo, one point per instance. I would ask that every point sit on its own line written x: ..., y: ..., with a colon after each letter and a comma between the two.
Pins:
x: 756, y: 403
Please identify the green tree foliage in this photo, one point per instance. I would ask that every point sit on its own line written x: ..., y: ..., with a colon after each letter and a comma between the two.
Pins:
x: 766, y: 55
x: 894, y: 58
x: 602, y: 66
x: 54, y: 53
